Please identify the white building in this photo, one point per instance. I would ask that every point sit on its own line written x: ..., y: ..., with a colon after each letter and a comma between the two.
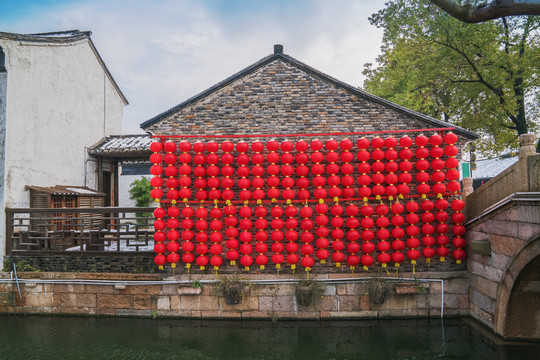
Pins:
x: 57, y: 98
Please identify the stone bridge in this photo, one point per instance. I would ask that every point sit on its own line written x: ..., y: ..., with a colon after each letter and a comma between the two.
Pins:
x: 504, y: 247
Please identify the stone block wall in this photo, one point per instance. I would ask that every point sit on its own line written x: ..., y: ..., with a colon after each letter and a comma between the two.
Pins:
x: 339, y: 299
x: 513, y: 233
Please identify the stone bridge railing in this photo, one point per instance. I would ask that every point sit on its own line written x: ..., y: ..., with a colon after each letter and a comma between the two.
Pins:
x: 503, y: 236
x: 522, y: 177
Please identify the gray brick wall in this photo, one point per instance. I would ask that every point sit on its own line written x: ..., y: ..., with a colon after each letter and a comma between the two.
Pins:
x: 280, y: 98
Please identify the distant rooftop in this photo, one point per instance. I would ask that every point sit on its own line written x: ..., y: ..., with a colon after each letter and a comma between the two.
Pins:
x: 488, y: 168
x: 65, y: 190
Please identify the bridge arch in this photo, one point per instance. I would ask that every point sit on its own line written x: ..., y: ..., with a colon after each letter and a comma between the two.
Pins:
x: 519, y: 290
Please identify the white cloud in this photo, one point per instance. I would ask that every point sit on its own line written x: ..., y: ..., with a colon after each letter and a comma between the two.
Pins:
x: 163, y: 52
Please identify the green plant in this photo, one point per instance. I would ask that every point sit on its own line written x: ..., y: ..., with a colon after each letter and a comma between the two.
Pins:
x: 378, y: 289
x: 154, y: 314
x: 140, y: 192
x: 308, y: 292
x: 421, y: 288
x: 7, y: 265
x: 196, y: 284
x: 23, y: 265
x: 232, y: 287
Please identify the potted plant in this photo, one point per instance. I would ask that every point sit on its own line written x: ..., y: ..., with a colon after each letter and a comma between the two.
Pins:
x: 233, y: 288
x: 307, y: 292
x: 378, y: 290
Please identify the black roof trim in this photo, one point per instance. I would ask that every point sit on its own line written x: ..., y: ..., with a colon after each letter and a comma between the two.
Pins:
x: 314, y: 72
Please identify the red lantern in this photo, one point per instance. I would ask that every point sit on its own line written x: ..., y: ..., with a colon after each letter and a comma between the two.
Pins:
x: 156, y: 146
x: 451, y: 150
x: 453, y: 186
x: 450, y: 138
x: 277, y: 236
x: 160, y: 260
x: 459, y: 255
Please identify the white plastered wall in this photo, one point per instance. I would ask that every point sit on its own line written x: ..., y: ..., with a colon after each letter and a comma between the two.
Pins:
x: 59, y: 102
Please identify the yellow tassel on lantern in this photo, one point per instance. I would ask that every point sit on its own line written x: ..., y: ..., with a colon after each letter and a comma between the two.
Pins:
x: 293, y: 266
x: 185, y: 201
x: 352, y: 268
x: 160, y: 267
x: 365, y: 200
x: 321, y: 201
x: 246, y: 202
x: 396, y: 265
x: 390, y: 198
x: 215, y: 202
x: 336, y: 200
x: 323, y: 261
x: 173, y: 202
x: 156, y: 200
x: 384, y: 265
x: 458, y: 262
x: 259, y: 201
x: 338, y: 264
x: 365, y: 268
x: 442, y: 258
x: 246, y: 268
x: 439, y: 196
x: 228, y: 202
x: 233, y: 262
x: 274, y: 200
x: 428, y: 260
x: 261, y: 267
x: 278, y: 266
x: 308, y: 269
x: 400, y: 196
x: 216, y: 268
x: 378, y: 197
x: 202, y: 268
x: 173, y: 265
x: 289, y: 202
x: 188, y: 266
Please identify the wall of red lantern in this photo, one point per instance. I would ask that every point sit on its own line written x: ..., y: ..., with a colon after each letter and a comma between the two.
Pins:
x: 357, y: 203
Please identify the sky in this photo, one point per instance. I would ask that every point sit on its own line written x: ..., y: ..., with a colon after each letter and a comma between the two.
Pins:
x: 162, y: 52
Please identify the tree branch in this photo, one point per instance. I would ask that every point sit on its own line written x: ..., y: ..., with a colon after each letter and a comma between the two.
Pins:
x: 465, y: 81
x: 493, y: 10
x: 496, y: 91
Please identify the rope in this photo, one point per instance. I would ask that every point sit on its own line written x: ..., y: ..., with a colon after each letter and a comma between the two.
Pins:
x: 163, y: 201
x: 300, y: 135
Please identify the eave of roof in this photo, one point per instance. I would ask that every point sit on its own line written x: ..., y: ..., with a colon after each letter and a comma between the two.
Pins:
x: 63, y: 37
x: 122, y: 146
x: 270, y: 58
x: 65, y: 190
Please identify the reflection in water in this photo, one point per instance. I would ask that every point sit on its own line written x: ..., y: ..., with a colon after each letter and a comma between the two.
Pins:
x: 30, y: 337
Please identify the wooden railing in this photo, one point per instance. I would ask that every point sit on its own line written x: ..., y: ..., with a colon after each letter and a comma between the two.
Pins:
x: 79, y: 229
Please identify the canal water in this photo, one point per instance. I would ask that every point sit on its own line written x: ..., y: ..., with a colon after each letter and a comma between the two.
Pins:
x: 39, y: 337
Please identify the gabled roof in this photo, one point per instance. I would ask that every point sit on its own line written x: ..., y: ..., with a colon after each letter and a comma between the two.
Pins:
x: 278, y: 55
x: 122, y: 146
x: 62, y: 37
